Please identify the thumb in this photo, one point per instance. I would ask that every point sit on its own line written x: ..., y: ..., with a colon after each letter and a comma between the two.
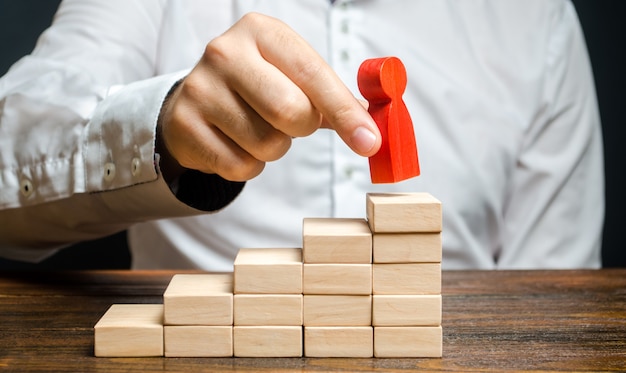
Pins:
x: 356, y: 128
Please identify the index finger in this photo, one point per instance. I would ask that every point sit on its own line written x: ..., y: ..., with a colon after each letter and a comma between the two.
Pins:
x: 285, y: 49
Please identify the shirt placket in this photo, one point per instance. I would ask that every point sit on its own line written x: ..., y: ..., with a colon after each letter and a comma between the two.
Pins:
x: 349, y: 170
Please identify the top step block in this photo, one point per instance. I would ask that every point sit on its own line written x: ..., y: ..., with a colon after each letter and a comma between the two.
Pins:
x: 403, y: 212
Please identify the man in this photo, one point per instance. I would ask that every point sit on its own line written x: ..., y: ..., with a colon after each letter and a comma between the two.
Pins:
x: 124, y: 114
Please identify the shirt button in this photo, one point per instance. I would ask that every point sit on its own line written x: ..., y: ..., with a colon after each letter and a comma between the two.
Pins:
x: 348, y: 171
x: 26, y: 187
x: 136, y: 167
x: 109, y: 172
x: 345, y: 55
x: 345, y: 27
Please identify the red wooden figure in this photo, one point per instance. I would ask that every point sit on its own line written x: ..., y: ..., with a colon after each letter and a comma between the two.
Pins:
x: 382, y: 82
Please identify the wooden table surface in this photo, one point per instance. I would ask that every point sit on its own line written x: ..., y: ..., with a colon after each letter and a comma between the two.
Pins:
x: 492, y: 320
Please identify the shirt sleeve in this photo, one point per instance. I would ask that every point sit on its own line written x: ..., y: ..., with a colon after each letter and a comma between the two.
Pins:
x: 555, y: 208
x: 77, y: 132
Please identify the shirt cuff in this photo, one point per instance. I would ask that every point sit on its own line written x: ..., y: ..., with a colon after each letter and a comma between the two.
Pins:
x: 119, y: 146
x: 207, y: 192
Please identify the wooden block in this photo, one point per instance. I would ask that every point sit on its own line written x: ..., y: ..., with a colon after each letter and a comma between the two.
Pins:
x: 333, y: 341
x: 267, y: 341
x: 268, y: 309
x: 406, y: 310
x: 268, y: 271
x: 343, y: 279
x: 198, y: 341
x: 382, y: 82
x: 199, y: 299
x: 335, y: 240
x: 406, y: 278
x: 403, y: 212
x: 408, y: 341
x: 406, y: 247
x: 128, y: 330
x: 337, y: 310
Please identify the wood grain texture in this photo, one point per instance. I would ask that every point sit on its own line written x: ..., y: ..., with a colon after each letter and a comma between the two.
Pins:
x: 339, y: 279
x: 406, y: 247
x: 268, y: 309
x: 338, y: 341
x: 268, y: 271
x: 198, y: 341
x: 406, y: 278
x: 199, y: 299
x: 406, y: 310
x: 267, y: 341
x: 407, y: 341
x: 336, y: 240
x: 127, y: 330
x: 496, y: 321
x: 337, y: 310
x: 403, y: 213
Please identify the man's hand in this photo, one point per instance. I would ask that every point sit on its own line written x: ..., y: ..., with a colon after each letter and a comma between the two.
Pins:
x: 255, y: 87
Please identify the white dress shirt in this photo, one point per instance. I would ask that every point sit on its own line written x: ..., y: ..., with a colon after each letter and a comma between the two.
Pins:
x: 500, y: 92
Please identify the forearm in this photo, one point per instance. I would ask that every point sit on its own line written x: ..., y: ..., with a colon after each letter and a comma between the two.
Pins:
x: 78, y: 134
x: 122, y: 182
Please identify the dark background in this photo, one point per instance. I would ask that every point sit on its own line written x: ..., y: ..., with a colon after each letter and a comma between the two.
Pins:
x: 604, y: 24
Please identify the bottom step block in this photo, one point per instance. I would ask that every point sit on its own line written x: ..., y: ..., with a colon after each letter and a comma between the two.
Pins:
x: 404, y: 341
x: 198, y: 341
x: 267, y: 341
x: 338, y: 341
x: 130, y: 330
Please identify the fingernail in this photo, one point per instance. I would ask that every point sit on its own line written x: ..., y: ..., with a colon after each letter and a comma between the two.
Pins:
x: 363, y: 140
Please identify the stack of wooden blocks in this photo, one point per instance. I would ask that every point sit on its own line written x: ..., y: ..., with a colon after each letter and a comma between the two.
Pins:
x: 356, y: 288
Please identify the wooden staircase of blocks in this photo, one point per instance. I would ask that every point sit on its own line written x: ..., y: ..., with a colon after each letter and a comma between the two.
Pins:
x: 357, y: 288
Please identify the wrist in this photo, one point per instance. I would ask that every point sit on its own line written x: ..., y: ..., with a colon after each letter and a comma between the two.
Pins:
x: 168, y: 165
